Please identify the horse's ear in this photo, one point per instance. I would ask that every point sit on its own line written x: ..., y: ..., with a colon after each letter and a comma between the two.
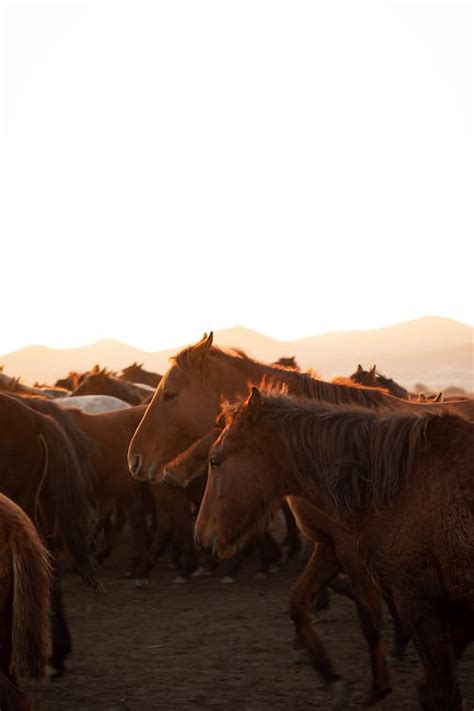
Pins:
x: 201, y: 349
x: 439, y: 397
x: 372, y: 371
x: 359, y: 369
x: 253, y: 405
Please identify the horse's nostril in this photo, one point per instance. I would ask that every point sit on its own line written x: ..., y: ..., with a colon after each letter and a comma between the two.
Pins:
x: 136, y: 464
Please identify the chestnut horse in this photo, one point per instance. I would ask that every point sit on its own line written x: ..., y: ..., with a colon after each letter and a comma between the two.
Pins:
x: 39, y: 470
x: 25, y: 582
x: 104, y: 383
x: 400, y: 488
x: 136, y: 374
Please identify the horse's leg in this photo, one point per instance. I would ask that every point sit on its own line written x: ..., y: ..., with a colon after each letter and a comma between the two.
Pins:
x: 61, y: 637
x: 268, y: 552
x: 233, y: 565
x: 140, y: 534
x: 369, y: 609
x: 340, y: 585
x: 292, y: 532
x: 160, y: 541
x: 187, y: 559
x: 112, y: 530
x: 321, y: 567
x: 400, y: 638
x: 438, y: 690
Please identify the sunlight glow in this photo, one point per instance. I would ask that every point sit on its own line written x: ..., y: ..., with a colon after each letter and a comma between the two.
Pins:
x: 174, y: 167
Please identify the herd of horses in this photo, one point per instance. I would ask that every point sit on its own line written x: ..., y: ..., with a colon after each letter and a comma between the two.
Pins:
x: 211, y: 453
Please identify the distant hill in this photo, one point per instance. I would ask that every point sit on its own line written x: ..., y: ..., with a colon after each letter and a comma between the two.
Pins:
x: 436, y: 351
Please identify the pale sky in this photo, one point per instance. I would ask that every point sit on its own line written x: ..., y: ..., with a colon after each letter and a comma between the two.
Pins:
x: 168, y: 168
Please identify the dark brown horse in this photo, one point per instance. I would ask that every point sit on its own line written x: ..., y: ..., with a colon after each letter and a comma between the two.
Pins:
x: 189, y: 472
x: 25, y: 581
x: 175, y: 528
x: 374, y: 379
x: 400, y: 488
x: 104, y: 383
x: 287, y: 362
x: 135, y: 373
x: 40, y: 471
x: 111, y: 483
x: 190, y: 466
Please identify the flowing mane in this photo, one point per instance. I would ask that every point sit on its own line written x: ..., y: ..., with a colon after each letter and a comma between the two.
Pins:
x: 304, y: 384
x: 355, y: 458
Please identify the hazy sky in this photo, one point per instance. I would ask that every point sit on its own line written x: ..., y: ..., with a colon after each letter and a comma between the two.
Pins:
x: 168, y: 168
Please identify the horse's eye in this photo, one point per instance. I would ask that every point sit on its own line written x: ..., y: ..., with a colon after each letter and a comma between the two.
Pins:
x: 214, y: 462
x: 169, y: 395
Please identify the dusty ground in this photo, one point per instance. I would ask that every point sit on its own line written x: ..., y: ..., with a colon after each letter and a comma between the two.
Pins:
x: 206, y: 646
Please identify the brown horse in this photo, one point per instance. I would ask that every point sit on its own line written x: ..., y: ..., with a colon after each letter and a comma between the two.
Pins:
x: 374, y: 379
x: 39, y: 470
x: 104, y: 383
x: 25, y: 581
x: 287, y: 362
x: 135, y: 373
x: 74, y: 379
x: 111, y: 482
x: 400, y: 490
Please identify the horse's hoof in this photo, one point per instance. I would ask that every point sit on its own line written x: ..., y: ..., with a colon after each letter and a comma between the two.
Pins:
x: 180, y: 580
x: 54, y: 672
x: 201, y: 573
x: 273, y: 569
x: 171, y: 566
x: 227, y: 580
x: 342, y: 692
x: 141, y: 582
x: 260, y: 575
x: 301, y: 657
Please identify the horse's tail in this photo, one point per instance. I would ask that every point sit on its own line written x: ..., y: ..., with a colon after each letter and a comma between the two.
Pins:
x: 31, y: 624
x: 67, y: 487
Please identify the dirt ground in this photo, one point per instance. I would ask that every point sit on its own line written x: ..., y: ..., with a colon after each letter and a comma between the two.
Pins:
x: 206, y: 645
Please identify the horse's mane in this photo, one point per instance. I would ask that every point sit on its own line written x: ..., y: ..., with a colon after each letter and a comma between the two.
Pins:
x: 354, y: 459
x: 348, y: 383
x: 304, y: 384
x: 185, y: 357
x: 338, y: 394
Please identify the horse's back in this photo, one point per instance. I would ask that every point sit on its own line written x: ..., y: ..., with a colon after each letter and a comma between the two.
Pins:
x: 92, y: 403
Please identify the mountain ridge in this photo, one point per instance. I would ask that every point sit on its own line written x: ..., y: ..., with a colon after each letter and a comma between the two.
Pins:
x: 429, y: 349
